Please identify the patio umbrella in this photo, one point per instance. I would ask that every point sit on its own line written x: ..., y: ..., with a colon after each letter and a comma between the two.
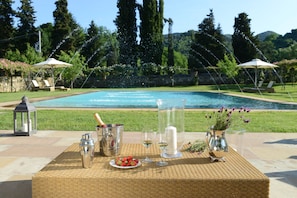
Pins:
x: 52, y: 63
x: 257, y: 64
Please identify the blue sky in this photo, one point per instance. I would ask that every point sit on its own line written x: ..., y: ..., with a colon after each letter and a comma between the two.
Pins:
x: 277, y: 16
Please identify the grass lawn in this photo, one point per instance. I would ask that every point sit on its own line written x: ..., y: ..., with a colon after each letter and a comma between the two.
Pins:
x: 134, y: 120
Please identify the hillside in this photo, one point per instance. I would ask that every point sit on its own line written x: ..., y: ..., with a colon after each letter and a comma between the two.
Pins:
x: 182, y: 41
x: 262, y: 36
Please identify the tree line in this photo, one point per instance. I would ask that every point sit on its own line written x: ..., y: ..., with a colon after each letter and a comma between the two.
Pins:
x: 99, y: 52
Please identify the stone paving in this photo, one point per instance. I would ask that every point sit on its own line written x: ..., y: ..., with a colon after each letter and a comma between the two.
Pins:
x: 274, y: 154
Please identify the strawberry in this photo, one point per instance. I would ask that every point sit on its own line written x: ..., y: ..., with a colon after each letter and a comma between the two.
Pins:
x: 133, y: 163
x: 118, y: 162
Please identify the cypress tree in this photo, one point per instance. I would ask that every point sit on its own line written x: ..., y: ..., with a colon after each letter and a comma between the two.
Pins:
x: 26, y: 31
x: 62, y: 27
x: 90, y: 51
x: 205, y: 49
x: 127, y: 31
x: 159, y: 32
x: 170, y: 61
x: 243, y: 39
x: 6, y: 24
x: 151, y: 31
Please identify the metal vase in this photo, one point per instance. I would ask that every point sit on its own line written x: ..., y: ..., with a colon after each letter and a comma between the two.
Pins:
x: 217, y: 145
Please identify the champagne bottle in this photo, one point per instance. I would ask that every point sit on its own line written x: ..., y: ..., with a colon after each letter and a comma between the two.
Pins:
x: 99, y: 120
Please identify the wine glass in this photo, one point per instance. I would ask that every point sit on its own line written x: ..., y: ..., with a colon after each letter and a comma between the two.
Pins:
x: 163, y: 143
x: 147, y: 141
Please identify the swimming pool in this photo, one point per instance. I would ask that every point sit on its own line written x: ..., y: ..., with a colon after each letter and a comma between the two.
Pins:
x: 147, y: 99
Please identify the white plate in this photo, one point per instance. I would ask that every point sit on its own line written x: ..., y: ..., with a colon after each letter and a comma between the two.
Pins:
x: 112, y: 163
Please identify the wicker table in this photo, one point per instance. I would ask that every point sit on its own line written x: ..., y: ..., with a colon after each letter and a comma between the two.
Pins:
x: 190, y: 176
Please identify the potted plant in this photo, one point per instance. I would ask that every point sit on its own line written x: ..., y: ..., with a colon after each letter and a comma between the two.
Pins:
x: 219, y: 122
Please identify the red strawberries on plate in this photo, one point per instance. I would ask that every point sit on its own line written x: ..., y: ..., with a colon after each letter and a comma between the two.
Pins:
x: 126, y: 161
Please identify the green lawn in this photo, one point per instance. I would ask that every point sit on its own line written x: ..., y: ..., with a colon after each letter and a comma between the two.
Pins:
x: 134, y: 120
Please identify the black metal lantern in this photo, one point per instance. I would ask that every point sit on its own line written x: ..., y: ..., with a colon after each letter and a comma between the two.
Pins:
x: 25, y: 118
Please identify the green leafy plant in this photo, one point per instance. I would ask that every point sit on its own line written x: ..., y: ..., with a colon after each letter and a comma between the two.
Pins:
x: 225, y: 118
x: 197, y: 146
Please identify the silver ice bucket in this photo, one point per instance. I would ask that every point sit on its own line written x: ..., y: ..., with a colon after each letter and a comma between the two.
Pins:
x: 110, y: 139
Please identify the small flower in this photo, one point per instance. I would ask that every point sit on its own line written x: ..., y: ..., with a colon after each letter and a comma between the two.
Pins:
x: 224, y: 118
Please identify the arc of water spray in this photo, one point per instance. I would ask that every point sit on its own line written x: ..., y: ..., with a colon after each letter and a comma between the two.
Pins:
x: 205, y: 67
x: 93, y: 70
x: 207, y: 72
x: 207, y: 50
x: 217, y: 60
x: 216, y: 71
x: 222, y: 44
x: 84, y: 45
x: 99, y: 49
x: 103, y: 58
x: 90, y: 58
x: 78, y: 51
x: 279, y: 77
x: 197, y: 53
x: 63, y: 41
x: 253, y: 44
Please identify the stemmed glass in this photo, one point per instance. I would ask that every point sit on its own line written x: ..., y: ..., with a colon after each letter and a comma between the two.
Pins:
x: 147, y: 141
x: 163, y: 143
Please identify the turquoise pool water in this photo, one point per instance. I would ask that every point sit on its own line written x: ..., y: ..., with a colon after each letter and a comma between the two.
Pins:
x: 147, y: 99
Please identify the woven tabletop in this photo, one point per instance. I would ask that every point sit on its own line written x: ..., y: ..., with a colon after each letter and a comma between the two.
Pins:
x: 192, y: 175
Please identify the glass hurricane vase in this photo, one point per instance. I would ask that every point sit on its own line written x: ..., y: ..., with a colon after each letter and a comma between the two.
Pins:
x: 171, y: 122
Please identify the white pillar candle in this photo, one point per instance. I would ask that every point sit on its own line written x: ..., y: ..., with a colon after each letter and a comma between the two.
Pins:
x: 30, y: 125
x: 172, y: 140
x: 25, y: 127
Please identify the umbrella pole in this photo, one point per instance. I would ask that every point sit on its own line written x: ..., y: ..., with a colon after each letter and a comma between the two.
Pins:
x: 11, y: 83
x: 53, y: 76
x: 256, y: 77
